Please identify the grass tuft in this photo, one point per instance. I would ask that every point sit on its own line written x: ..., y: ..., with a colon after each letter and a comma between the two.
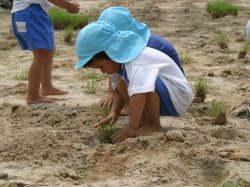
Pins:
x: 106, y: 130
x: 216, y: 108
x: 21, y: 75
x: 246, y: 46
x: 201, y: 85
x: 221, y: 8
x: 185, y: 57
x: 62, y: 19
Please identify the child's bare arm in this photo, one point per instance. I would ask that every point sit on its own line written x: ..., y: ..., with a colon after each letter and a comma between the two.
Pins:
x: 70, y: 6
x: 108, y: 100
x: 137, y: 103
x: 117, y: 106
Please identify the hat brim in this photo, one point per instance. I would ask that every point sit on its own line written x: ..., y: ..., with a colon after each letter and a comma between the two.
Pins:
x: 125, y: 48
x: 82, y: 62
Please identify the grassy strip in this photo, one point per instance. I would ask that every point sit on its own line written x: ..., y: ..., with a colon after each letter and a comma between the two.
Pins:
x: 62, y: 19
x: 221, y: 8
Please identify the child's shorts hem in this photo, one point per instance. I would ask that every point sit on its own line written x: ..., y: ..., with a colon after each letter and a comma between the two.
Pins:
x: 166, y: 106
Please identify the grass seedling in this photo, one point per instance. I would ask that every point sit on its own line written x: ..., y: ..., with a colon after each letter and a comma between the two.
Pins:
x: 185, y: 57
x: 221, y: 40
x: 68, y: 32
x: 57, y: 52
x: 245, y: 47
x: 201, y: 85
x: 105, y: 111
x: 230, y: 184
x: 92, y: 74
x: 61, y: 19
x: 219, y: 9
x: 106, y: 130
x: 216, y: 108
x: 92, y: 86
x: 83, y: 173
x: 23, y: 75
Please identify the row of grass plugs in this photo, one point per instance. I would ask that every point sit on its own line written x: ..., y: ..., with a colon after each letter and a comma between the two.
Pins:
x: 220, y: 9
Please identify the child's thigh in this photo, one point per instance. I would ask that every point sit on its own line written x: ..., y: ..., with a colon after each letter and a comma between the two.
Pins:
x: 166, y: 106
x: 33, y: 28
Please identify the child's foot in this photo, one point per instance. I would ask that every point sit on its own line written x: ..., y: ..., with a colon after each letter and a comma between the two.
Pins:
x: 52, y: 91
x: 125, y: 111
x: 39, y: 99
x: 148, y: 130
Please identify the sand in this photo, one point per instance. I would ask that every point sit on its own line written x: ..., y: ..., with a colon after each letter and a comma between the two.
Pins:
x: 57, y: 145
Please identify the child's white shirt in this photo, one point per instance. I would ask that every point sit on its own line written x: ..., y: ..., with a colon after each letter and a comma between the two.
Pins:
x: 23, y: 4
x: 143, y: 71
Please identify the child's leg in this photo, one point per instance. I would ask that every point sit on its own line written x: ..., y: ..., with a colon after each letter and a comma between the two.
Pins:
x: 122, y: 88
x: 47, y: 87
x: 152, y: 108
x: 35, y: 77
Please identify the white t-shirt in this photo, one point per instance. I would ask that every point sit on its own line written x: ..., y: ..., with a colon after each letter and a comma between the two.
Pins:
x: 23, y: 4
x: 143, y: 71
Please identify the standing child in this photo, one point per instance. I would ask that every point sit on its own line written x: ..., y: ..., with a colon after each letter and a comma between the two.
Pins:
x: 34, y: 31
x: 149, y: 80
x: 122, y: 19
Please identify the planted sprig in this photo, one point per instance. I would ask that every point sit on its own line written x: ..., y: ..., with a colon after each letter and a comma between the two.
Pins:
x: 185, y: 56
x: 106, y: 130
x: 21, y: 75
x: 92, y: 86
x: 216, y: 108
x: 221, y: 40
x: 202, y: 85
x: 68, y: 31
x: 245, y: 46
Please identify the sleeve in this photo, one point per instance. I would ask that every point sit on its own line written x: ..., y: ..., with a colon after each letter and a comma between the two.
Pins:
x: 142, y: 79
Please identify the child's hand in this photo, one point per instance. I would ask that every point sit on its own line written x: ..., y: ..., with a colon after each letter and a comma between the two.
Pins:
x: 74, y: 9
x: 120, y: 136
x: 108, y: 100
x: 110, y: 119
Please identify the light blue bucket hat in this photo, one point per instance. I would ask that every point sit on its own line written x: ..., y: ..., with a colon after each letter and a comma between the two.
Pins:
x: 122, y: 19
x: 248, y: 30
x: 120, y: 46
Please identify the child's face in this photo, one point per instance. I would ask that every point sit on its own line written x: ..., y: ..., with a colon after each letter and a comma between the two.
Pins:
x: 106, y: 66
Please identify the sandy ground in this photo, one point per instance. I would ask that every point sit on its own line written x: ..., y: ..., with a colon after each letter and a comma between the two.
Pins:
x: 56, y: 144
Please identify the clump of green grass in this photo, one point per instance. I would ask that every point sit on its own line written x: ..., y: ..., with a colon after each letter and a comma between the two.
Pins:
x: 221, y: 40
x: 68, y: 32
x: 21, y: 75
x: 61, y: 18
x: 201, y: 85
x: 245, y: 47
x: 57, y: 52
x: 221, y: 8
x: 92, y: 74
x: 92, y: 86
x: 216, y: 108
x: 185, y: 56
x: 106, y: 130
x: 232, y: 184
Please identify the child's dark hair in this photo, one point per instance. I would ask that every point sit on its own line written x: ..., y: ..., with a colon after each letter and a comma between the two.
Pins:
x: 100, y: 56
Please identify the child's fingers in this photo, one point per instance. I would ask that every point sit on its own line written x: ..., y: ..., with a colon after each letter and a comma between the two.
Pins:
x: 117, y: 137
x: 97, y: 125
